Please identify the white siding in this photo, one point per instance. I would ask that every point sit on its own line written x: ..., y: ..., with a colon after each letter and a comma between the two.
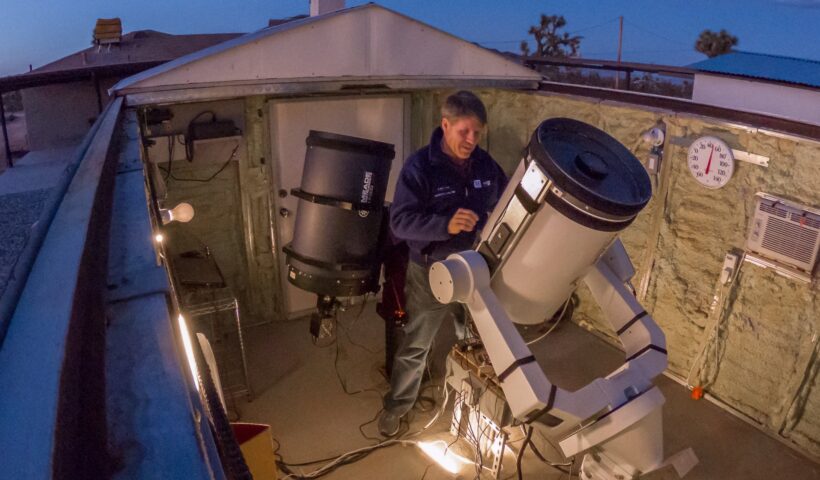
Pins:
x: 801, y: 104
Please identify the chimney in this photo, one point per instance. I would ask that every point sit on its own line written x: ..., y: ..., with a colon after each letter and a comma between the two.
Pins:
x: 321, y: 7
x: 107, y: 31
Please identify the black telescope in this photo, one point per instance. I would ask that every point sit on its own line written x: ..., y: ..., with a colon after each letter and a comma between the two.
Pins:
x: 340, y: 217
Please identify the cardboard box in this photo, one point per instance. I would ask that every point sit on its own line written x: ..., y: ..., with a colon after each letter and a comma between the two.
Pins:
x: 256, y: 443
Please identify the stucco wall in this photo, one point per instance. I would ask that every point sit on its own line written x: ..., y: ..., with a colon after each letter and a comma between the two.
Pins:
x: 59, y: 115
x: 764, y: 362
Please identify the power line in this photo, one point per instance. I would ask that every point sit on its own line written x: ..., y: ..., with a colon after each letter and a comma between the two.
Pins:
x: 653, y: 33
x: 594, y: 26
x: 636, y: 26
x: 614, y: 52
x: 530, y: 39
x: 501, y: 41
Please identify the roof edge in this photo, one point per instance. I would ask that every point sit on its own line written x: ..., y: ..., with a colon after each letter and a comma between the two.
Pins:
x: 129, y: 82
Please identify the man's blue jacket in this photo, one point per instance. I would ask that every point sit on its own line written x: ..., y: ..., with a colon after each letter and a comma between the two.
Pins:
x: 431, y: 189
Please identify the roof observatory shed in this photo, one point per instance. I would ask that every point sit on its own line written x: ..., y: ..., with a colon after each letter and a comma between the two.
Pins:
x: 117, y: 295
x: 366, y: 71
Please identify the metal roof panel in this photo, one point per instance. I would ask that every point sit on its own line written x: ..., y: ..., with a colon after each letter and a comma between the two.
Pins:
x: 762, y: 66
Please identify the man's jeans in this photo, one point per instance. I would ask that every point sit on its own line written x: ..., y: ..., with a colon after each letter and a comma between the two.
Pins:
x: 425, y: 315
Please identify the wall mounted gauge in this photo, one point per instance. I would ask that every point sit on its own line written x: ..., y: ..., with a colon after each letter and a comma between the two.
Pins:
x: 711, y: 162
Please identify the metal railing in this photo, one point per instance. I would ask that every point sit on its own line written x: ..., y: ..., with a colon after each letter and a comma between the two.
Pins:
x: 52, y: 356
x: 636, y: 77
x: 88, y: 339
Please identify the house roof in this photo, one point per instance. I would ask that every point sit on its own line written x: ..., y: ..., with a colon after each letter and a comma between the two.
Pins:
x: 775, y: 68
x: 367, y: 43
x: 140, y: 46
x: 137, y: 51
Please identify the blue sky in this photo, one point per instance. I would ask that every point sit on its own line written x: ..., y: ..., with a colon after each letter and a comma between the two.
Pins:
x: 37, y: 32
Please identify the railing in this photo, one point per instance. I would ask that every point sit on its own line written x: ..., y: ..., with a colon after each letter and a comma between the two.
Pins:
x: 51, y: 365
x: 636, y: 77
x: 92, y: 379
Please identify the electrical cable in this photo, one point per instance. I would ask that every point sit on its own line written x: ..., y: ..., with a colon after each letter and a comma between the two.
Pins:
x: 361, y: 427
x: 520, y: 455
x: 584, y: 29
x: 189, y: 141
x: 557, y: 466
x: 560, y: 317
x: 341, y: 380
x: 171, y: 143
x: 677, y: 42
x: 347, y: 329
x: 358, y: 454
x: 202, y: 180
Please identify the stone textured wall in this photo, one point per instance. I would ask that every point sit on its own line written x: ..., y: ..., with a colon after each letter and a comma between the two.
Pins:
x: 760, y: 338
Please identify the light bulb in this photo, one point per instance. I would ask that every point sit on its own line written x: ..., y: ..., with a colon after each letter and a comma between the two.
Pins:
x: 182, y: 213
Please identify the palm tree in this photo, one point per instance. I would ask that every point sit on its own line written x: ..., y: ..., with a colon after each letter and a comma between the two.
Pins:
x: 713, y: 44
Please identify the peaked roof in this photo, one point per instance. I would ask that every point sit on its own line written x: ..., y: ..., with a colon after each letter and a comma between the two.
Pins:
x: 362, y: 43
x: 136, y: 52
x: 776, y: 68
x: 137, y: 47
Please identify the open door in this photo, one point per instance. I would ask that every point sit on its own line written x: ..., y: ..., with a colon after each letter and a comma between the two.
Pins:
x: 383, y: 119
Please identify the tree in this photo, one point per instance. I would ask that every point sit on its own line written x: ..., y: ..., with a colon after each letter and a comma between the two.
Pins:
x: 713, y: 44
x: 13, y: 101
x: 549, y: 42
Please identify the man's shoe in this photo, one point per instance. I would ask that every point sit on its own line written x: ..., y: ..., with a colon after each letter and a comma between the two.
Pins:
x: 389, y: 423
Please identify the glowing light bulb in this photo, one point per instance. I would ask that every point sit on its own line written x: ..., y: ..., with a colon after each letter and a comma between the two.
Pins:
x: 182, y: 213
x: 159, y: 238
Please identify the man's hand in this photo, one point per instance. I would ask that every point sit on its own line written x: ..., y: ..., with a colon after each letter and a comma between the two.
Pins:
x: 463, y: 221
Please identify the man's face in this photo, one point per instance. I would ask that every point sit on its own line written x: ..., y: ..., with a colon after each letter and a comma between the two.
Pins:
x: 462, y: 135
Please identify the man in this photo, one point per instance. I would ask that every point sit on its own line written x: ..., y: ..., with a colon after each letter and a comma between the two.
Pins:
x: 444, y: 195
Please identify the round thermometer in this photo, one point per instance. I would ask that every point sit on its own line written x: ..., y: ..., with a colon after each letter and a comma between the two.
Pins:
x: 711, y: 162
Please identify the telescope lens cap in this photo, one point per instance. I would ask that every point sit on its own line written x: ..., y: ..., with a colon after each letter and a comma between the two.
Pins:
x: 591, y: 166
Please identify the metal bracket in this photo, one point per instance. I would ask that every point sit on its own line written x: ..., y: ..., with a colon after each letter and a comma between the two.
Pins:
x: 742, y: 155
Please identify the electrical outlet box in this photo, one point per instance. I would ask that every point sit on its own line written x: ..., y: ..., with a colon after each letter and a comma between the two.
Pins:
x: 727, y: 273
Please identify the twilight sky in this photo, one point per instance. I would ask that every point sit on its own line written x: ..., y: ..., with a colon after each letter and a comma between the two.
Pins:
x: 37, y: 32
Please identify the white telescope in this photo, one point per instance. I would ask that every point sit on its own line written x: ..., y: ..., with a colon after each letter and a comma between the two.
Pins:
x: 555, y: 226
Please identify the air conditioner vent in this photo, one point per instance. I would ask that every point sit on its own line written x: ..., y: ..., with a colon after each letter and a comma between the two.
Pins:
x: 806, y: 221
x: 773, y: 210
x: 785, y: 232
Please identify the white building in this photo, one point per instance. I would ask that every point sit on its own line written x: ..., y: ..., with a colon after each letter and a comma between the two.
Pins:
x: 768, y: 84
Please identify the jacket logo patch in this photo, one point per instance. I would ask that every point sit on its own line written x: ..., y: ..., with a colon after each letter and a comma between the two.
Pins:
x: 487, y: 183
x: 443, y: 192
x: 477, y: 183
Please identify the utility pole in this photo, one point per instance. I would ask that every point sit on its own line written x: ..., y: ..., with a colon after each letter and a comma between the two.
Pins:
x: 620, y: 44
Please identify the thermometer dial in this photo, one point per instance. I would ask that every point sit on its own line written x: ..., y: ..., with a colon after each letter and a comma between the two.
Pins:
x: 711, y: 162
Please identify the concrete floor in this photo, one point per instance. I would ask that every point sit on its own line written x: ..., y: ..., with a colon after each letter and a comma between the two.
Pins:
x: 311, y: 417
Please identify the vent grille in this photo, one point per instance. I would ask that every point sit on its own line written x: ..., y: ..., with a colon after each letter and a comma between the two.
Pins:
x: 785, y: 232
x: 773, y: 210
x: 806, y: 221
x: 790, y: 239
